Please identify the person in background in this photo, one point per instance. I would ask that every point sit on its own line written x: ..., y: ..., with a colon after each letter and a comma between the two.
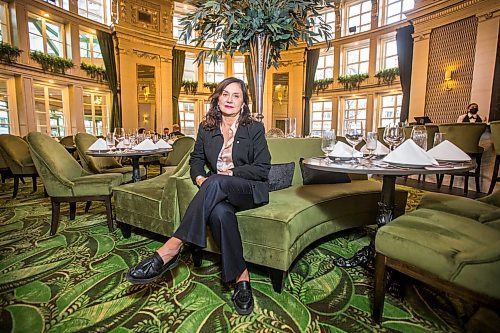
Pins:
x: 472, y: 115
x: 176, y: 131
x: 166, y: 132
x: 141, y: 130
x: 236, y: 180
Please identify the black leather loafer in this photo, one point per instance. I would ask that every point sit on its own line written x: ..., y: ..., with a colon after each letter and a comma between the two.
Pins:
x: 242, y: 298
x: 151, y: 269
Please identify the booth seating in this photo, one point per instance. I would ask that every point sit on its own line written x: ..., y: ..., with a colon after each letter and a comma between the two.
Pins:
x: 180, y: 147
x: 66, y: 181
x: 273, y: 235
x: 449, y: 242
x: 495, y: 137
x: 16, y: 154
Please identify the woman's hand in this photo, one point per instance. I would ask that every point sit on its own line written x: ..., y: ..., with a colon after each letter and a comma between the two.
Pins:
x: 200, y: 180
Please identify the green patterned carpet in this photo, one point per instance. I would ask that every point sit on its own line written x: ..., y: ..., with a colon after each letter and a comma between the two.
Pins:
x: 74, y: 282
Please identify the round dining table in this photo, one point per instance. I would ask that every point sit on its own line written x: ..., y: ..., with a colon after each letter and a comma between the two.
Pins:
x: 389, y: 173
x: 133, y: 154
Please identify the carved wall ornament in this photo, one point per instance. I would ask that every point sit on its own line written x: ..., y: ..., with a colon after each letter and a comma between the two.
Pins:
x: 146, y: 17
x: 146, y: 55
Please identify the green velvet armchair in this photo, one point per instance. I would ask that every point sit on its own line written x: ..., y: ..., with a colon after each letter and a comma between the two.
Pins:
x: 66, y: 181
x: 16, y: 154
x: 101, y: 164
x: 4, y: 170
x: 179, y: 149
x: 449, y: 242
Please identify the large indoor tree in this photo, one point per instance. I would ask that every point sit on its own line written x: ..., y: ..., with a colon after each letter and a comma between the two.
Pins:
x: 264, y: 28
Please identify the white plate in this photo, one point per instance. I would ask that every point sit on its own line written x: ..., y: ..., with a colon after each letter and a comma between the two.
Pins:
x: 453, y: 160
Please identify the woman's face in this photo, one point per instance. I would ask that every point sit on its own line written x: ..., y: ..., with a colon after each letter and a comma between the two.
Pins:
x: 231, y: 100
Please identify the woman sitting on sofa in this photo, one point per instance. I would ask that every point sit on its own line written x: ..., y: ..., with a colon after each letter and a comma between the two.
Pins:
x: 232, y: 145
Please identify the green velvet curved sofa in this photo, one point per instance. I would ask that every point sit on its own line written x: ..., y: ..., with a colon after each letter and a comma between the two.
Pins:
x: 273, y: 235
x: 450, y: 242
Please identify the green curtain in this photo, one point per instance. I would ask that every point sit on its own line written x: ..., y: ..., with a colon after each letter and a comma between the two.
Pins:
x: 108, y: 56
x: 251, y: 83
x: 312, y: 58
x: 177, y: 73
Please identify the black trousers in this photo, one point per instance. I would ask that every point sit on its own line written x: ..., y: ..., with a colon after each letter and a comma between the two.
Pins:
x: 215, y: 205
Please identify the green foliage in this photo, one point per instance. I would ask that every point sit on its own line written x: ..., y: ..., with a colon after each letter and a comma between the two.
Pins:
x: 387, y: 75
x: 9, y: 53
x: 234, y: 24
x: 211, y: 86
x: 190, y: 87
x: 322, y: 84
x: 52, y: 63
x: 93, y: 71
x: 352, y: 81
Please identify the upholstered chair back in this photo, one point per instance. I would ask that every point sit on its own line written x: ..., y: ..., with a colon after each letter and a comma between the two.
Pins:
x: 16, y: 154
x: 92, y: 164
x: 55, y: 165
x: 495, y: 135
x: 179, y: 149
x: 67, y: 141
x: 464, y: 135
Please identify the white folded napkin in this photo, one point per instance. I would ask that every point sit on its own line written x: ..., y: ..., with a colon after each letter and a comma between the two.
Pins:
x: 100, y: 144
x: 147, y: 144
x: 380, y: 150
x: 409, y: 153
x: 343, y: 150
x: 120, y: 145
x: 447, y: 151
x: 162, y: 144
x: 170, y: 142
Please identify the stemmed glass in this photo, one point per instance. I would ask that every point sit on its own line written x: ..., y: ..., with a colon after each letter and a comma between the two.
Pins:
x: 419, y: 136
x: 438, y: 138
x: 371, y: 144
x: 394, y: 135
x: 354, y: 133
x: 328, y: 141
x: 110, y: 141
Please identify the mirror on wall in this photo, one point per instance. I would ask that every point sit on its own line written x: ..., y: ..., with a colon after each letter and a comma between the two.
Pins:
x: 146, y: 97
x: 280, y: 101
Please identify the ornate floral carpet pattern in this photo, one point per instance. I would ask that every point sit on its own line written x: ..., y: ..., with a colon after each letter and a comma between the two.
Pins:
x: 74, y: 282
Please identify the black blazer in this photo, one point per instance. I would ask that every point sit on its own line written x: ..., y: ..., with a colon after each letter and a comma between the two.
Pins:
x: 251, y: 156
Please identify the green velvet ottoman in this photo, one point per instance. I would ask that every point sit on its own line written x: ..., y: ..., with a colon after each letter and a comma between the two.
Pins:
x: 455, y: 253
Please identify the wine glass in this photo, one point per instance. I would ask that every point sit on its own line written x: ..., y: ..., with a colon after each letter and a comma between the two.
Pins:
x: 354, y: 133
x: 394, y: 135
x: 328, y: 141
x: 438, y: 138
x: 371, y: 143
x: 110, y: 141
x: 419, y: 136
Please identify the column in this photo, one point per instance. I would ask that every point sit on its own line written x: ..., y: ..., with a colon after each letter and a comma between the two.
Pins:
x: 25, y: 104
x: 484, y: 62
x: 419, y: 73
x: 76, y: 108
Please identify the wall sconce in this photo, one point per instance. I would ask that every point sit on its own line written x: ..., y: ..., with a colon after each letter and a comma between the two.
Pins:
x: 145, y: 91
x: 447, y: 79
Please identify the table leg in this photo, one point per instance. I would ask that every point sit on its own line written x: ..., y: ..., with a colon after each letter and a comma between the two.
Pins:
x: 136, y: 172
x: 384, y: 216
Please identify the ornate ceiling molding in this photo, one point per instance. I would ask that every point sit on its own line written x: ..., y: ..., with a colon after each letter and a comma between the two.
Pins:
x: 443, y: 12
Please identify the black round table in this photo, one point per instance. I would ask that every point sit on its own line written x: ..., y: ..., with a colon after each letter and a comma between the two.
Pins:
x: 389, y: 173
x: 133, y: 154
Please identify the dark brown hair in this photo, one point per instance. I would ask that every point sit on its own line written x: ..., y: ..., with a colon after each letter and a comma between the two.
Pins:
x: 213, y: 117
